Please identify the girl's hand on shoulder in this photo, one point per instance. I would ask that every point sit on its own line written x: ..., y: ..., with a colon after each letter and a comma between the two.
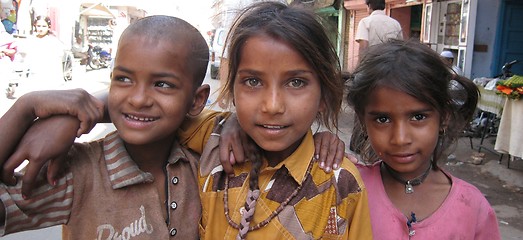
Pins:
x: 76, y: 102
x: 234, y: 144
x: 329, y: 150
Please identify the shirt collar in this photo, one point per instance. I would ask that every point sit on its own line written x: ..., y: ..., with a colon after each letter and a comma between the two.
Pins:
x: 122, y: 170
x: 298, y: 162
x: 378, y: 12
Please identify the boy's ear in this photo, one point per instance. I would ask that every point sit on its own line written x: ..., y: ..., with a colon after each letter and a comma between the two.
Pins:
x: 200, y: 99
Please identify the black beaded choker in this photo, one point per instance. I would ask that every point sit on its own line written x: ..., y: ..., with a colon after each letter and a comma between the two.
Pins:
x: 409, y: 184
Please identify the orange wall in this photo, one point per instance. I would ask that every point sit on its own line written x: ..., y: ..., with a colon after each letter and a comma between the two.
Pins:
x: 402, y: 15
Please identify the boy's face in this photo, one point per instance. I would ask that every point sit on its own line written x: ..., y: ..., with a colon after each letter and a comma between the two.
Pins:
x: 151, y: 90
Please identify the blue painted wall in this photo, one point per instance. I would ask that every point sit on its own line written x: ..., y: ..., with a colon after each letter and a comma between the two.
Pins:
x: 486, y: 28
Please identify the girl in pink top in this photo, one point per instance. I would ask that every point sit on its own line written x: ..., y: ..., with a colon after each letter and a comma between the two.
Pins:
x: 409, y: 117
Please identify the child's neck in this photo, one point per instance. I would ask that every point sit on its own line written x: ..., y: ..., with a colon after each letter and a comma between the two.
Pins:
x: 276, y: 157
x: 150, y: 157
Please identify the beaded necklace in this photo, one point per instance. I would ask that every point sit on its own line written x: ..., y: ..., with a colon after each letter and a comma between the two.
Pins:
x: 273, y: 214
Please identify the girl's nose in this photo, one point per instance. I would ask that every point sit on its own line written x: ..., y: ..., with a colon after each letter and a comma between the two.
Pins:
x: 273, y: 101
x: 400, y: 134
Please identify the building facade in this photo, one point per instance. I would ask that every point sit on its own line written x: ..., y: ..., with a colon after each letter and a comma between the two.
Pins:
x: 482, y: 34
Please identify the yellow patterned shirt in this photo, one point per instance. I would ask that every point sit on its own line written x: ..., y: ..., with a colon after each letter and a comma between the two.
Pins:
x: 328, y: 206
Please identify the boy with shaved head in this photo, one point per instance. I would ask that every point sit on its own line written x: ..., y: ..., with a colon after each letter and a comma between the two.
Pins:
x: 137, y: 182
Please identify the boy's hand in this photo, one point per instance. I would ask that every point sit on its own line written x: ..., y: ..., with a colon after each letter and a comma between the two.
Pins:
x: 233, y: 144
x: 48, y: 140
x: 329, y: 150
x: 77, y: 103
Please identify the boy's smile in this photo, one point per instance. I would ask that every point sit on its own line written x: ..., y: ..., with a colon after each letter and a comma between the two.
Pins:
x: 277, y: 95
x: 151, y: 89
x: 403, y: 131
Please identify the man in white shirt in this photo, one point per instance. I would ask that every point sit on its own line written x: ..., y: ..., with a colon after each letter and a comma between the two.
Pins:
x: 378, y: 27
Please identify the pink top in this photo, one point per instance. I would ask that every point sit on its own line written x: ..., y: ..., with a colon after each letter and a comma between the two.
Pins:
x: 465, y: 213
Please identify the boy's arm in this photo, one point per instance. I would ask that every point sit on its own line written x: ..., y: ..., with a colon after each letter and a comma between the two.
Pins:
x: 40, y: 146
x: 43, y: 104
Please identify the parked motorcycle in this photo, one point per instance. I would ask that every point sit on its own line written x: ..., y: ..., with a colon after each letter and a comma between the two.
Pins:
x: 98, y: 57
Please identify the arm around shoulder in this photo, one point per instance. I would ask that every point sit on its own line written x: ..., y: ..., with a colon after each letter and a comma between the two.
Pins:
x: 14, y: 123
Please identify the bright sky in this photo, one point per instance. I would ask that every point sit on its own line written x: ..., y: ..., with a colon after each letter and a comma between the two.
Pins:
x: 195, y: 12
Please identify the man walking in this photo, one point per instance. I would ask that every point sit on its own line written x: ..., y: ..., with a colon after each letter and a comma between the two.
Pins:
x: 378, y: 27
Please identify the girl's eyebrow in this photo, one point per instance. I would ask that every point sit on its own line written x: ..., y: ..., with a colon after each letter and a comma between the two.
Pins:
x: 291, y: 73
x: 416, y: 111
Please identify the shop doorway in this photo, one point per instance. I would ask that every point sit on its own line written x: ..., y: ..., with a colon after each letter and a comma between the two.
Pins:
x: 511, y: 33
x: 410, y: 19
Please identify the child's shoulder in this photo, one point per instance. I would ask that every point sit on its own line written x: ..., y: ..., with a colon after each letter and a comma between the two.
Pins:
x: 347, y: 174
x: 463, y: 186
x: 85, y: 153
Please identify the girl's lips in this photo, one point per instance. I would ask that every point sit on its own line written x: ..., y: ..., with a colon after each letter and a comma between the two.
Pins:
x: 403, y: 157
x: 272, y: 130
x: 276, y: 127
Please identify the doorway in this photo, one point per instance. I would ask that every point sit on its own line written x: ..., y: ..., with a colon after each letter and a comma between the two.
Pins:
x: 409, y: 18
x: 510, y: 31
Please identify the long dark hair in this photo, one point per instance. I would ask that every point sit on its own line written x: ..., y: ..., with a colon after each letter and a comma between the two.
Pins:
x: 417, y: 70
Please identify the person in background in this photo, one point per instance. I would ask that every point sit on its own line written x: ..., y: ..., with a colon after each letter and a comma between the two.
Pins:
x: 8, y: 49
x: 410, y: 196
x: 43, y: 53
x: 448, y: 58
x: 80, y: 51
x: 376, y: 28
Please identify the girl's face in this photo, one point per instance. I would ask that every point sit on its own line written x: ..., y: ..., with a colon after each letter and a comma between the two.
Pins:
x: 277, y: 95
x: 151, y: 90
x: 41, y: 28
x: 402, y: 130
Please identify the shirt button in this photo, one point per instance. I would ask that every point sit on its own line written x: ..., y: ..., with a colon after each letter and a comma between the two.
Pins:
x: 174, y: 180
x: 174, y: 205
x: 173, y: 231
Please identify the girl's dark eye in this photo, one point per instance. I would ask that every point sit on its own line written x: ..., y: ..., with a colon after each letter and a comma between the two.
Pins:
x: 252, y: 82
x: 296, y: 83
x: 418, y: 117
x: 382, y: 119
